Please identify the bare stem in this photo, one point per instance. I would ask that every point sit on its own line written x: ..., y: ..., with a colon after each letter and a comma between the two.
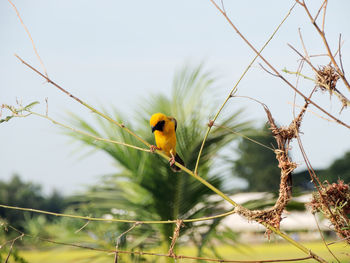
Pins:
x: 141, y: 253
x: 340, y: 58
x: 84, y: 103
x: 11, y: 247
x: 114, y: 219
x: 195, y: 175
x: 335, y: 91
x: 244, y: 136
x: 88, y: 134
x: 30, y: 37
x: 324, y: 241
x: 236, y: 84
x: 323, y: 37
x: 274, y: 70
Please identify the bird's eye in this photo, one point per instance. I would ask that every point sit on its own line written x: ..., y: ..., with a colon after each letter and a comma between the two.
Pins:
x: 159, y: 126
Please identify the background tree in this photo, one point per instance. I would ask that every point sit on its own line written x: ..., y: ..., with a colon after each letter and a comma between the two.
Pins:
x: 257, y: 164
x: 339, y: 169
x: 259, y: 167
x: 145, y: 188
x: 15, y: 192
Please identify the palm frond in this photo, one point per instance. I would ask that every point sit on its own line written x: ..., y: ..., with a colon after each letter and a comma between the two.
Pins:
x: 145, y: 186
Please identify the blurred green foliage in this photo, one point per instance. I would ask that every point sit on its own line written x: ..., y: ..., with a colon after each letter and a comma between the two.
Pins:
x: 144, y: 187
x: 259, y: 166
x: 339, y: 169
x: 16, y: 192
x: 256, y: 164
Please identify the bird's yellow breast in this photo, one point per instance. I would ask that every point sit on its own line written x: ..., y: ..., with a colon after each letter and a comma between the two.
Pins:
x: 165, y: 135
x: 166, y: 142
x: 164, y: 129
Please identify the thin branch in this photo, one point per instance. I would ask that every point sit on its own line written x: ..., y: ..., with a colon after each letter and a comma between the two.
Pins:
x: 185, y: 169
x: 114, y: 219
x: 324, y: 14
x: 141, y: 253
x: 272, y: 68
x: 273, y: 229
x: 267, y: 71
x: 176, y: 234
x: 195, y: 175
x: 308, y: 164
x: 310, y: 168
x: 325, y: 42
x: 81, y: 228
x: 127, y: 231
x: 340, y: 58
x: 9, y: 241
x: 337, y: 241
x: 223, y: 6
x: 88, y: 134
x: 77, y: 99
x: 83, y: 103
x: 244, y: 136
x: 120, y: 236
x: 320, y: 55
x: 303, y: 44
x: 47, y: 106
x: 297, y: 73
x: 286, y: 237
x: 30, y: 37
x: 319, y: 11
x: 300, y: 68
x: 345, y: 101
x: 11, y: 247
x: 314, y: 177
x: 324, y: 241
x: 312, y: 112
x: 120, y: 125
x: 236, y: 84
x: 68, y: 127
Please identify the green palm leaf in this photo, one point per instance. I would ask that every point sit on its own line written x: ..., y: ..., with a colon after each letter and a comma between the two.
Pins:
x: 145, y: 186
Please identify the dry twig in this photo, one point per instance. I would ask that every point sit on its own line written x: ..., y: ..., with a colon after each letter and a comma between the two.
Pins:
x: 120, y: 236
x: 237, y: 83
x: 333, y: 201
x: 11, y: 247
x: 283, y: 136
x: 324, y: 241
x: 326, y: 79
x: 30, y: 37
x: 273, y: 69
x: 141, y: 253
x: 322, y: 34
x: 179, y: 224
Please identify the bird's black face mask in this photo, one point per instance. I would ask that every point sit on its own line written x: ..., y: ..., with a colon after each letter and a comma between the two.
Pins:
x: 159, y: 126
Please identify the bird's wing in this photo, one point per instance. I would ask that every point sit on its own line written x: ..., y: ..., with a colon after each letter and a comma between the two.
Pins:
x: 173, y: 120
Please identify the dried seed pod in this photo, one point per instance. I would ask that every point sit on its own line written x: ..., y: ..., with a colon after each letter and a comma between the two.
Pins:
x: 333, y: 201
x: 327, y: 78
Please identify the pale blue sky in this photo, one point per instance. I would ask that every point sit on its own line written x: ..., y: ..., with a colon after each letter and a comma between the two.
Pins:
x: 116, y: 52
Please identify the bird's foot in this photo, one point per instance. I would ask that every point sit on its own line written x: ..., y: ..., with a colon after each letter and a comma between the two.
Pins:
x: 172, y: 160
x: 153, y: 148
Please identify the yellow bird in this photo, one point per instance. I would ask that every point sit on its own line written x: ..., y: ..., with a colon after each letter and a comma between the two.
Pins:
x: 164, y: 128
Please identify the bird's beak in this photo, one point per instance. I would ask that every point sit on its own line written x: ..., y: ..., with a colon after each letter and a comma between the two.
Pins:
x: 158, y: 127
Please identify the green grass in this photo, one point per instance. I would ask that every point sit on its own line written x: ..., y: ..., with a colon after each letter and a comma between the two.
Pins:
x: 265, y: 251
x: 283, y: 250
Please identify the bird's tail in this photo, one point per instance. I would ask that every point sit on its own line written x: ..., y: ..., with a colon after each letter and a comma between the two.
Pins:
x: 180, y: 161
